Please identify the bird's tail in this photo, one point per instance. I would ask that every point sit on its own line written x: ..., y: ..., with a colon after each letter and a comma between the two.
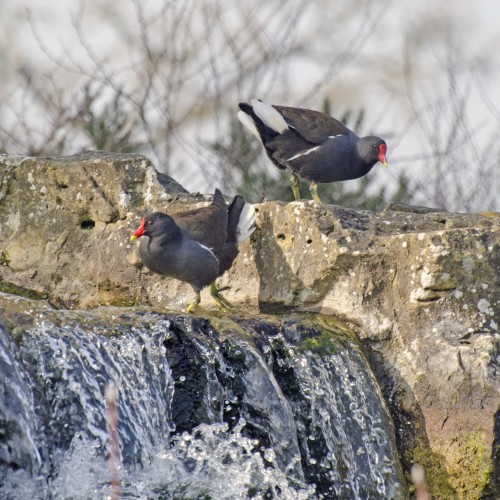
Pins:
x: 246, y: 224
x: 218, y: 199
x: 241, y: 219
x: 261, y: 119
x: 240, y: 225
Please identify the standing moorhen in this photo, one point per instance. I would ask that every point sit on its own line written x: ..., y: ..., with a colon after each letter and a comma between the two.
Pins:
x: 313, y: 145
x: 196, y: 246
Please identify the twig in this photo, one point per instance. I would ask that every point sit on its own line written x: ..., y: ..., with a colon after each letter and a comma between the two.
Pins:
x: 111, y: 396
x: 418, y: 478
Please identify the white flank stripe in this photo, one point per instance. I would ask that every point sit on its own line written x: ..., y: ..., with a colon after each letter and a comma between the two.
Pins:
x: 333, y: 136
x: 270, y: 116
x: 248, y: 123
x: 304, y: 153
x: 210, y: 250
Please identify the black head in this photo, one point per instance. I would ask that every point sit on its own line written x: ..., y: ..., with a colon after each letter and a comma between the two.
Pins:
x: 156, y: 224
x: 372, y: 149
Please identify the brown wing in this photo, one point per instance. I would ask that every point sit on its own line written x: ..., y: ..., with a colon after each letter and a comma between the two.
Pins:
x: 313, y: 126
x: 208, y: 225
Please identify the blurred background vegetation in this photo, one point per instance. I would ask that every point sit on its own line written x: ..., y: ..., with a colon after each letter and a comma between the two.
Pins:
x: 164, y: 78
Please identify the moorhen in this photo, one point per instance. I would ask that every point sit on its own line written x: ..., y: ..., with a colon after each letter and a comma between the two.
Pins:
x: 313, y: 145
x: 196, y: 246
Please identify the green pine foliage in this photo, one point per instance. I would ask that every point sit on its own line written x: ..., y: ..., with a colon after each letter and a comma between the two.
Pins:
x: 108, y: 126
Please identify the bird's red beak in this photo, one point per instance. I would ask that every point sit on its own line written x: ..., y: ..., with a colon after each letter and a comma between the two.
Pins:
x: 140, y: 231
x: 382, y: 150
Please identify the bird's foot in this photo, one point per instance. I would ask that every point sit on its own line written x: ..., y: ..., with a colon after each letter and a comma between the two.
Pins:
x: 221, y: 302
x: 313, y: 188
x: 295, y: 187
x: 193, y: 304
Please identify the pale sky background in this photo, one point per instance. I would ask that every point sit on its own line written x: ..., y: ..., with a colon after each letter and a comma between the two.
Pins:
x: 371, y: 80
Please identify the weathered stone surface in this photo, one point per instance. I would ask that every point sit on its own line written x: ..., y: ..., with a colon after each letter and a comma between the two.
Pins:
x: 422, y: 289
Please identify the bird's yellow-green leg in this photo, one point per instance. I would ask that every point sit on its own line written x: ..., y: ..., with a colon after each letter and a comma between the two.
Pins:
x: 221, y: 302
x: 313, y: 188
x: 195, y: 302
x: 295, y: 187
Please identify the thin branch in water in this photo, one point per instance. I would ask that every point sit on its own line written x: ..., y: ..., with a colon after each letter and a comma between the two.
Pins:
x: 114, y: 462
x: 418, y: 479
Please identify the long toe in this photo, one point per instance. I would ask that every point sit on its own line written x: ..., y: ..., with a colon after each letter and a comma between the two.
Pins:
x: 193, y: 304
x: 313, y: 188
x: 294, y: 180
x: 221, y: 302
x: 226, y: 302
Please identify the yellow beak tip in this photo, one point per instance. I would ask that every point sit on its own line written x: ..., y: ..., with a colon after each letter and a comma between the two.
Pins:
x: 133, y: 237
x: 385, y: 164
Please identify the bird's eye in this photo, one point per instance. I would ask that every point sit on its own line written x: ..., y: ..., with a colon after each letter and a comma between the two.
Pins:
x: 150, y: 221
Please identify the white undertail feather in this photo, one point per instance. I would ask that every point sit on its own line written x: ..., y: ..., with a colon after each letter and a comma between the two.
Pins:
x: 270, y: 116
x: 248, y: 122
x: 246, y: 223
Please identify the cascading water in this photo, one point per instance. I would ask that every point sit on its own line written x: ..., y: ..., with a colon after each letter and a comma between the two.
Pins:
x: 227, y: 408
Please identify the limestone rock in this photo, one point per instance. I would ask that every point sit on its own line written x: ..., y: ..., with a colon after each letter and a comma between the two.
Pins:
x: 420, y: 287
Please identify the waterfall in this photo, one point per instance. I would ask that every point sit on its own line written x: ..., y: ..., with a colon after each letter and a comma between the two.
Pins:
x: 222, y: 408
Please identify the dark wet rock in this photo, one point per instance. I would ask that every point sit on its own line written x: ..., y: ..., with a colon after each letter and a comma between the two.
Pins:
x: 316, y: 416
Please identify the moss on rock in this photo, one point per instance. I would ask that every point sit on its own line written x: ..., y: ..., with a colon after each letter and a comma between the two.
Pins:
x: 458, y: 467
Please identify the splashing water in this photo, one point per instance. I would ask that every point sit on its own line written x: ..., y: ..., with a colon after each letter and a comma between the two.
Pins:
x: 253, y: 413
